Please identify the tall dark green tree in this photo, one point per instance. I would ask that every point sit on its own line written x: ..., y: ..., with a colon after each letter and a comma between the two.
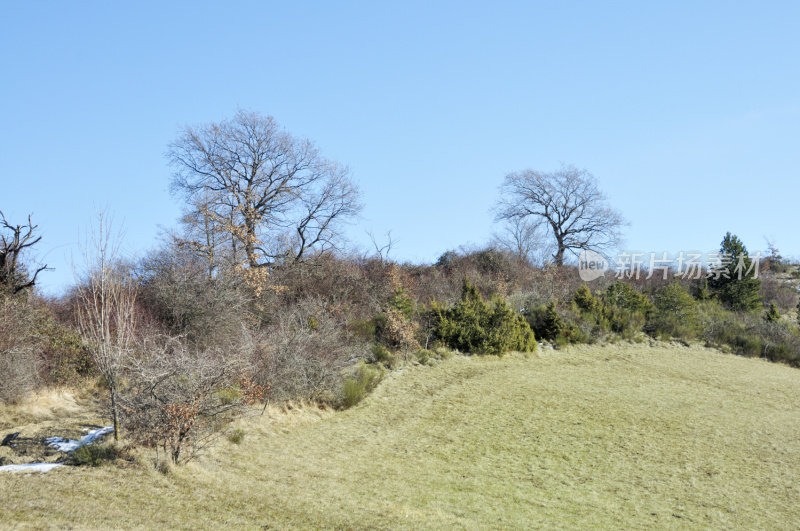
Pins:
x: 736, y: 284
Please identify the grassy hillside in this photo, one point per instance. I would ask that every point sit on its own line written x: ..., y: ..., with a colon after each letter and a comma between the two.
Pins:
x: 593, y: 436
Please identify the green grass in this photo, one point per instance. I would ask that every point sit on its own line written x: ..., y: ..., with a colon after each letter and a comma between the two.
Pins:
x: 588, y: 437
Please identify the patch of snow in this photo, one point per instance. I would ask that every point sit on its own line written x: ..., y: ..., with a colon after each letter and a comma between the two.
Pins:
x: 31, y: 467
x: 70, y: 445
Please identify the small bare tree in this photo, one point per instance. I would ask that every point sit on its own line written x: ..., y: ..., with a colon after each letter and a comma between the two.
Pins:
x: 568, y: 203
x: 526, y: 240
x: 13, y: 276
x: 106, y: 309
x: 274, y: 194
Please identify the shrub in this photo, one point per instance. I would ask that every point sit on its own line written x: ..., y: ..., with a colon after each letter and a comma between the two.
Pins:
x: 299, y: 362
x: 178, y: 399
x: 546, y: 322
x: 778, y: 342
x: 563, y: 328
x: 178, y: 291
x: 587, y: 302
x: 236, y: 436
x: 722, y: 328
x: 229, y: 395
x: 783, y: 294
x: 741, y: 295
x: 772, y: 315
x: 425, y: 356
x: 19, y: 343
x: 625, y: 296
x: 401, y: 302
x: 66, y: 358
x: 356, y: 387
x: 93, y: 455
x: 394, y: 329
x: 472, y: 325
x: 625, y: 323
x: 675, y: 314
x: 381, y: 354
x: 748, y: 335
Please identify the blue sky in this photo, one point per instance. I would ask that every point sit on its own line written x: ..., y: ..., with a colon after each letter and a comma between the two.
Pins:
x: 688, y: 113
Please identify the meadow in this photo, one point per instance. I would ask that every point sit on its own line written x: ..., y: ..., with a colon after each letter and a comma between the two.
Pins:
x: 628, y: 435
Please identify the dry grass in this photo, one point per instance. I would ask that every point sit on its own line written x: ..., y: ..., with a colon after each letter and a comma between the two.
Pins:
x: 46, y: 413
x: 606, y: 437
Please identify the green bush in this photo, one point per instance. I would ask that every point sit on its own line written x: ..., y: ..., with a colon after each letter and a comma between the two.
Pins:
x: 561, y: 330
x: 625, y: 323
x: 236, y: 436
x: 674, y: 315
x: 93, y: 455
x: 625, y: 296
x: 546, y: 322
x: 625, y: 309
x: 474, y: 326
x: 401, y: 302
x: 430, y: 357
x: 748, y: 335
x: 587, y: 302
x: 425, y: 356
x: 741, y: 295
x: 356, y: 387
x: 772, y: 315
x: 383, y: 355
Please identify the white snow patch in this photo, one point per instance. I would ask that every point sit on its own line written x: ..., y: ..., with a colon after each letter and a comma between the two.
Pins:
x: 31, y: 467
x: 63, y: 445
x: 70, y: 445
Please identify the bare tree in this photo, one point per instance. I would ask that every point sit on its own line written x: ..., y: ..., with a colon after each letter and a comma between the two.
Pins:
x: 106, y: 309
x: 382, y: 251
x: 273, y: 193
x: 567, y: 203
x: 526, y: 240
x: 13, y: 276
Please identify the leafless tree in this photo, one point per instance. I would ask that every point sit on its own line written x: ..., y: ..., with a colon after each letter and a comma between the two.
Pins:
x: 382, y: 251
x: 526, y: 240
x: 13, y: 276
x: 567, y: 203
x: 273, y: 193
x: 106, y: 312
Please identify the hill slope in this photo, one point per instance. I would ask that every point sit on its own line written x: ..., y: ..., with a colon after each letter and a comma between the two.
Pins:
x: 620, y: 435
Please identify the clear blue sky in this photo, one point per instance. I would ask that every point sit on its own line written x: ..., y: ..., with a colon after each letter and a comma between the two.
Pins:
x: 688, y: 113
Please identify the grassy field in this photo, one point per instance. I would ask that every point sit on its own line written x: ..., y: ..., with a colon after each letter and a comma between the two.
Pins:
x: 609, y: 437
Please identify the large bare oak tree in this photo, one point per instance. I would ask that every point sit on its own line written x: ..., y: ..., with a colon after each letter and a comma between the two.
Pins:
x: 567, y: 203
x: 273, y: 194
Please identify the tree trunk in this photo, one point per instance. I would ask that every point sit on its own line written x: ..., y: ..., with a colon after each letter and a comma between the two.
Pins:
x: 114, y: 413
x: 559, y: 256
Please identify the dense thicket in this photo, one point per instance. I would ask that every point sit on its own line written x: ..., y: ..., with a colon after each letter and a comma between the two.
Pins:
x: 208, y: 341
